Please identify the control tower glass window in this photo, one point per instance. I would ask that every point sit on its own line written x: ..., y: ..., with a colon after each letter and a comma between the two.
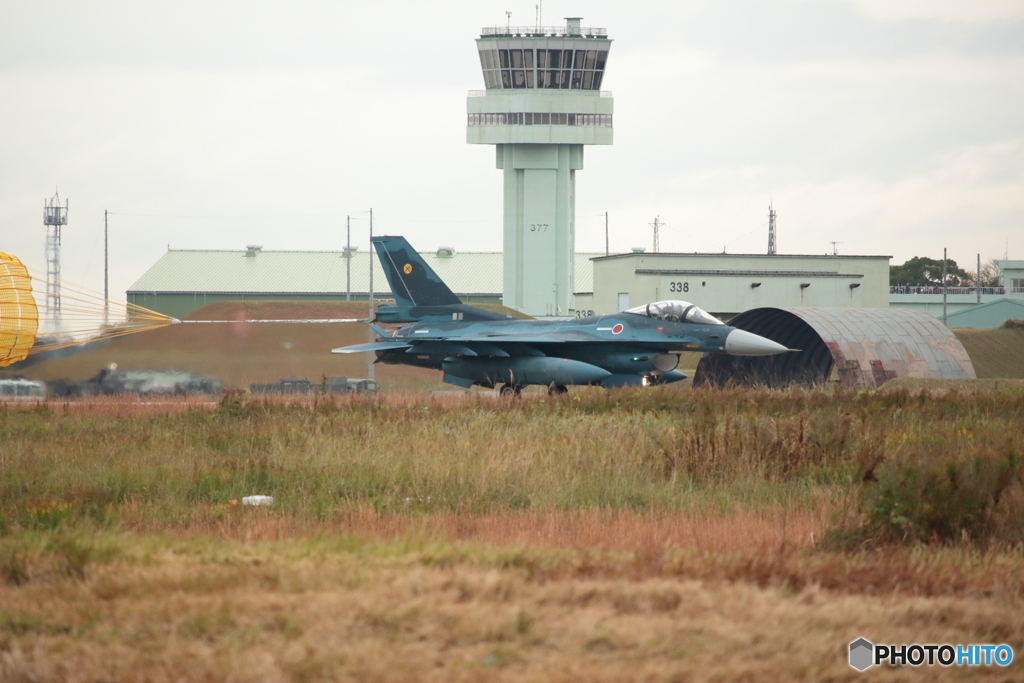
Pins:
x: 520, y: 118
x: 542, y: 68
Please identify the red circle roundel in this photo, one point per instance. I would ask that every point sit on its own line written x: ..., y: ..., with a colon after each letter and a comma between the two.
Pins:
x: 618, y: 328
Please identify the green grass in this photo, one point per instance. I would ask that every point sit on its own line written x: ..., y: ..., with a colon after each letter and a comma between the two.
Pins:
x: 644, y: 450
x: 995, y: 354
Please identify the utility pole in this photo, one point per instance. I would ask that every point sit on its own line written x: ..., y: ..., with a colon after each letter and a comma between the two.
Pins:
x: 371, y: 266
x: 348, y: 258
x: 372, y: 335
x: 106, y: 274
x: 656, y: 225
x: 979, y: 278
x: 943, y: 286
x: 606, y: 252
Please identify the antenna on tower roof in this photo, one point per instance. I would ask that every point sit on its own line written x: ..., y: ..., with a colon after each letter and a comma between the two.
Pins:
x: 771, y: 230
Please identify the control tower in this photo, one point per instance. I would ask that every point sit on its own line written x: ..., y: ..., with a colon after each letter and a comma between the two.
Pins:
x: 542, y: 104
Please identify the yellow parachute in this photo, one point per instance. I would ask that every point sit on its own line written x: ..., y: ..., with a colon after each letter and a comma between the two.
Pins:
x: 80, y: 318
x: 19, y: 317
x: 83, y: 317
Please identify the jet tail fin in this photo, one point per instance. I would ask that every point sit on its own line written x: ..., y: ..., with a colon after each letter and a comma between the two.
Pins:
x: 413, y: 282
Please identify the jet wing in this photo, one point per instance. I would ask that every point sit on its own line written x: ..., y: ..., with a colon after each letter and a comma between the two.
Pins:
x: 560, y: 337
x: 512, y: 338
x: 372, y: 346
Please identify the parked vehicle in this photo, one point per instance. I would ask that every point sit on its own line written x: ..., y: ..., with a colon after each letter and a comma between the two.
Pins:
x: 20, y: 388
x: 294, y: 386
x: 111, y: 381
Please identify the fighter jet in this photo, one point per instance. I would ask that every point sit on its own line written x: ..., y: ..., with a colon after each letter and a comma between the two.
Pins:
x: 473, y: 346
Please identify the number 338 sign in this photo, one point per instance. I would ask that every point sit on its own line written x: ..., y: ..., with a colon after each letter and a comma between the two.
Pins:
x: 676, y: 286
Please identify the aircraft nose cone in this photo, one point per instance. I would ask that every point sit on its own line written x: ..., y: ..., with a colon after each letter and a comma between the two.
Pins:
x: 743, y: 343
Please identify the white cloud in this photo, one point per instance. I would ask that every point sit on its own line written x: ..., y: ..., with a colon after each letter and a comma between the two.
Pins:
x: 972, y: 11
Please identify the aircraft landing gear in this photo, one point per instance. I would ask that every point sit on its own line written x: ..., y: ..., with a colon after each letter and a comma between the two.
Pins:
x: 510, y: 390
x: 557, y: 390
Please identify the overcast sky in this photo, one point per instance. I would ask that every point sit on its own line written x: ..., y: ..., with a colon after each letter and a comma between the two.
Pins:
x: 890, y: 126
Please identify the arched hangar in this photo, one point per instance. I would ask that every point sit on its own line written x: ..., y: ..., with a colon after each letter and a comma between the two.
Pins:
x: 858, y: 347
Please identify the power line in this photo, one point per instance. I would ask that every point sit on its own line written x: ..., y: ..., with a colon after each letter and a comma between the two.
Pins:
x: 304, y: 215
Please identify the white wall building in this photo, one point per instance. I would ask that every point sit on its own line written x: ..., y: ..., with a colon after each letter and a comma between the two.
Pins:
x: 727, y: 284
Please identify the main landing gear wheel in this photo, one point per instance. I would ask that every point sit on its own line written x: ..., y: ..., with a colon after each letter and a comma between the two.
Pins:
x: 557, y: 390
x: 510, y: 390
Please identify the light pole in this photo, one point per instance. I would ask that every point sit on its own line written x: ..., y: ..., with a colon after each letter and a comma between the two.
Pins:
x: 106, y: 274
x: 371, y: 334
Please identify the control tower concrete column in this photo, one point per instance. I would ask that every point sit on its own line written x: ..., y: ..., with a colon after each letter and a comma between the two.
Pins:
x: 543, y: 102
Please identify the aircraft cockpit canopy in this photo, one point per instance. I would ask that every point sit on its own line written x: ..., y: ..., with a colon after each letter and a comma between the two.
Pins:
x: 677, y: 312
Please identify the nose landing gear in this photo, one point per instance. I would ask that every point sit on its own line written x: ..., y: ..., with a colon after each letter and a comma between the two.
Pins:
x: 557, y: 390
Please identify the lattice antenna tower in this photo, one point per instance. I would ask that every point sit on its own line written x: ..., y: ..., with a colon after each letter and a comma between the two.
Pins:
x: 771, y: 231
x: 55, y: 217
x: 656, y: 225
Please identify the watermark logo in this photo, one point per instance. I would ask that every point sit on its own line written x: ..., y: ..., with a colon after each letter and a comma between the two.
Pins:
x: 861, y: 654
x: 864, y: 654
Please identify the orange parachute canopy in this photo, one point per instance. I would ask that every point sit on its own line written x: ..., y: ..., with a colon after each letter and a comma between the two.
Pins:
x: 19, y: 317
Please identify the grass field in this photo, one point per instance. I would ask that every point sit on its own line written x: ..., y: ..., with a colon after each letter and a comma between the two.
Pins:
x: 625, y: 535
x: 995, y: 353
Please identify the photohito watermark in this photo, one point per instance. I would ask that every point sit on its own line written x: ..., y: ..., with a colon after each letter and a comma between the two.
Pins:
x: 865, y: 654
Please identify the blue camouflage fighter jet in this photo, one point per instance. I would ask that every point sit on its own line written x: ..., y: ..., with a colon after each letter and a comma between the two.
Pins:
x: 473, y: 346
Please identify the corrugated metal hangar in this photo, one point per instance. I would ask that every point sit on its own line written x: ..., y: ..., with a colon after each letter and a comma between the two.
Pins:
x: 860, y: 348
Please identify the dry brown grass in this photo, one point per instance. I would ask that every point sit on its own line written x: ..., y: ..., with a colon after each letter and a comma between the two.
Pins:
x: 336, y: 609
x: 599, y: 530
x: 605, y: 536
x: 937, y: 387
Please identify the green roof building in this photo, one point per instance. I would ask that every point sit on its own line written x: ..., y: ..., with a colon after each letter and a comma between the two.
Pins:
x: 186, y: 279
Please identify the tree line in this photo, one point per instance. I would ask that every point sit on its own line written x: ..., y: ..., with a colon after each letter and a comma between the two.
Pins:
x: 922, y: 271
